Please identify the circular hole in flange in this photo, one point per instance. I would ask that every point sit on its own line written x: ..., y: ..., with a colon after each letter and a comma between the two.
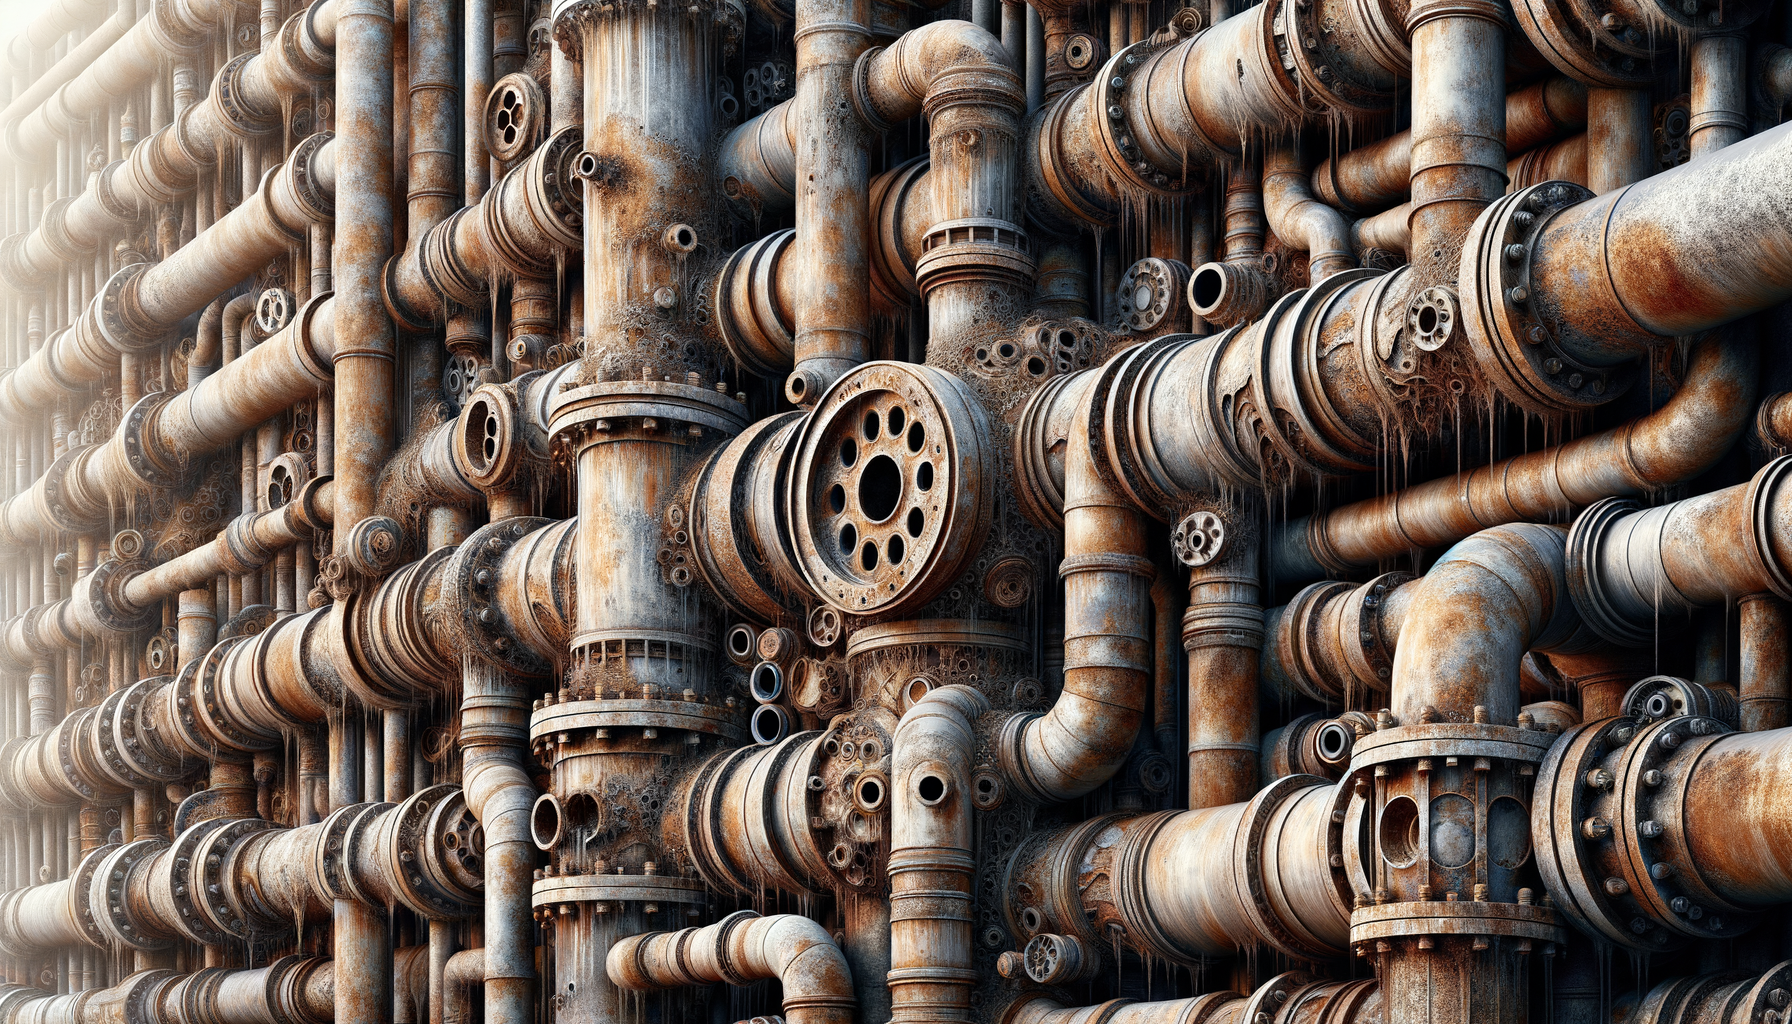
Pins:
x: 870, y: 793
x: 924, y: 476
x: 849, y: 451
x: 873, y: 425
x: 917, y: 437
x: 868, y: 556
x: 916, y: 520
x: 1427, y: 319
x: 849, y: 539
x: 897, y: 420
x: 837, y: 498
x: 880, y: 488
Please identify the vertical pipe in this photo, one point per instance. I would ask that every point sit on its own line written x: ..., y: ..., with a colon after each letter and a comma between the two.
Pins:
x: 477, y: 57
x: 397, y: 752
x: 1719, y: 104
x: 1222, y: 630
x: 1035, y: 59
x: 1014, y: 34
x: 1766, y: 682
x: 833, y: 217
x: 365, y: 352
x: 1458, y: 127
x: 1620, y: 138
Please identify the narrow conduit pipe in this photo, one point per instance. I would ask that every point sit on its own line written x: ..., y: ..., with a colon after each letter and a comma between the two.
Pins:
x: 1677, y: 442
x: 1299, y: 218
x: 501, y: 795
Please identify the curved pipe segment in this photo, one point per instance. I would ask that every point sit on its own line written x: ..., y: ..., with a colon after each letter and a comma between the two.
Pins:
x: 1301, y: 219
x: 738, y: 950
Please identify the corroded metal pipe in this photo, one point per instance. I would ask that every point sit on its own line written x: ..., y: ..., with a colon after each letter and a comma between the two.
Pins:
x: 742, y: 948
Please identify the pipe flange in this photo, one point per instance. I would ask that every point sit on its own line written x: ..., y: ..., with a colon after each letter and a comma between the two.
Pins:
x: 438, y: 856
x: 1763, y: 491
x: 193, y: 920
x: 118, y: 315
x: 1267, y: 1002
x: 1115, y: 417
x: 745, y: 306
x: 105, y: 588
x: 1371, y: 658
x: 974, y: 248
x: 890, y: 492
x: 1304, y: 419
x: 1523, y: 350
x: 1659, y: 697
x: 1249, y: 874
x: 1116, y: 136
x: 208, y: 705
x: 471, y: 582
x: 214, y: 881
x: 142, y: 994
x: 1130, y: 865
x: 238, y: 117
x: 587, y: 414
x: 702, y: 815
x: 319, y: 203
x: 80, y: 889
x: 152, y: 467
x: 52, y: 230
x: 332, y: 860
x: 198, y: 994
x: 1306, y: 40
x: 491, y: 438
x: 110, y: 903
x: 105, y: 744
x: 553, y: 190
x: 62, y: 508
x: 1153, y: 294
x: 515, y: 117
x: 106, y: 190
x: 1575, y: 37
x: 75, y: 738
x: 143, y: 753
x: 1586, y: 584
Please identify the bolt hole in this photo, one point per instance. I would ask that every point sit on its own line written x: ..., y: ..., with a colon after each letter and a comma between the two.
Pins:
x: 897, y: 420
x: 837, y: 498
x: 849, y: 539
x: 917, y: 437
x: 868, y: 556
x: 893, y: 551
x: 873, y: 425
x: 849, y: 451
x: 1427, y: 319
x: 924, y: 476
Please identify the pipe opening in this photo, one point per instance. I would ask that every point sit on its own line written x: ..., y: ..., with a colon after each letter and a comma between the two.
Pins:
x: 770, y: 723
x: 1334, y: 742
x: 742, y: 639
x: 1400, y: 832
x: 931, y: 789
x: 767, y: 682
x: 545, y: 822
x: 880, y: 488
x: 869, y: 793
x: 1209, y: 285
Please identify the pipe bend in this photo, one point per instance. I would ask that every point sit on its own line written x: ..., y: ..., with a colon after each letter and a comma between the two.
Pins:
x: 1299, y: 218
x: 899, y: 79
x: 741, y: 948
x: 1088, y: 733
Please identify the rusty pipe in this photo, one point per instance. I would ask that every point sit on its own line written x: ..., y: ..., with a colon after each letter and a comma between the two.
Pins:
x: 142, y: 302
x: 742, y: 948
x: 1719, y: 100
x: 1298, y: 218
x: 1567, y: 160
x: 125, y: 67
x: 1222, y: 630
x: 501, y: 795
x: 833, y: 228
x: 1679, y: 441
x: 1620, y: 138
x: 1624, y: 272
x: 1764, y: 682
x: 932, y: 862
x: 222, y: 319
x: 463, y: 972
x: 1458, y: 128
x: 1379, y: 175
x: 1088, y: 733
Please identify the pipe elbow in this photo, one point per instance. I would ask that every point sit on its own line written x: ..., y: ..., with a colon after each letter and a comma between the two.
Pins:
x: 899, y: 78
x: 802, y: 955
x: 501, y: 795
x: 1301, y: 220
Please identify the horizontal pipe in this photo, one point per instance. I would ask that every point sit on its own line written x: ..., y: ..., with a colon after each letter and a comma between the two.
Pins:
x: 742, y: 948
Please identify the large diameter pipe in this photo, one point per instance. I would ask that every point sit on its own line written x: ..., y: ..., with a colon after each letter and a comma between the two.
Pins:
x: 1657, y: 260
x: 1458, y: 127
